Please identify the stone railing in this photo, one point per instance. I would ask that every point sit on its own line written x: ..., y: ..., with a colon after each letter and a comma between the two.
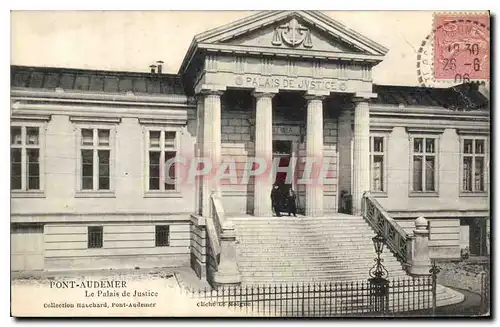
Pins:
x: 395, y: 237
x: 222, y: 267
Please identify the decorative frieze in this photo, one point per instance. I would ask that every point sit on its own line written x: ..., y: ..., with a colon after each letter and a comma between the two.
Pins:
x: 240, y: 63
x: 211, y: 63
x: 291, y: 67
x: 266, y: 66
x: 317, y: 69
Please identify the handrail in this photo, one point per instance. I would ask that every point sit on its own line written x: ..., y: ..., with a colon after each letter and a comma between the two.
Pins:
x: 214, y: 227
x: 395, y: 236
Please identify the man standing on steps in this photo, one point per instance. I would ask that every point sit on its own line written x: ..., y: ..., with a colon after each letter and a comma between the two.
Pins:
x: 290, y: 202
x: 275, y: 200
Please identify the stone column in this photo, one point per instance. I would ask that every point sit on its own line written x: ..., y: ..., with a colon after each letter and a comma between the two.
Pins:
x: 211, y: 145
x: 361, y: 157
x: 263, y: 151
x: 199, y: 152
x: 420, y: 261
x: 314, y: 151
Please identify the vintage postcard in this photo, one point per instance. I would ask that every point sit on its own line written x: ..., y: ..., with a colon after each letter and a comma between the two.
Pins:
x: 229, y: 163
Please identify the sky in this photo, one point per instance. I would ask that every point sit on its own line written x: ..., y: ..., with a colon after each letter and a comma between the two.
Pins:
x: 132, y: 40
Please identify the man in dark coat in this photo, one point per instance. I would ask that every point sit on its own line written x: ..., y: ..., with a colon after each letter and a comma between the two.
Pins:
x: 291, y: 203
x: 276, y: 200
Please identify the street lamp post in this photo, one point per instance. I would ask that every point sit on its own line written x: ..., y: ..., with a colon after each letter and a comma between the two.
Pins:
x: 379, y: 285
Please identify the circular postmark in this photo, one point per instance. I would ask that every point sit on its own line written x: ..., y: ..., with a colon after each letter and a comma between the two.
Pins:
x: 456, y: 51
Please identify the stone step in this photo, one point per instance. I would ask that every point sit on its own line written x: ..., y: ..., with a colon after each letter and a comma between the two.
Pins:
x: 331, y: 228
x: 360, y: 274
x: 264, y: 233
x: 310, y: 269
x: 334, y: 245
x: 247, y: 266
x: 306, y: 279
x: 316, y: 259
x: 312, y: 252
x: 257, y: 247
x: 306, y: 224
x: 360, y: 234
x: 299, y: 279
x: 312, y: 265
x: 296, y: 220
x: 256, y: 265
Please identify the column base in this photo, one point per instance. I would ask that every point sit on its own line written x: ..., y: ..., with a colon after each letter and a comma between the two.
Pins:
x: 315, y: 214
x: 263, y: 213
x: 230, y: 278
x: 420, y: 269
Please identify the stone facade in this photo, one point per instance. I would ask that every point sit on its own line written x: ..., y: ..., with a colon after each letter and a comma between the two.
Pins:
x: 319, y: 97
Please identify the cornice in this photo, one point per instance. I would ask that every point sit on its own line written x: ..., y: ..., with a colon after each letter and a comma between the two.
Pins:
x: 101, y: 98
x: 472, y: 131
x: 47, y: 109
x: 432, y: 112
x: 96, y: 119
x: 439, y: 213
x: 30, y: 117
x: 425, y: 129
x: 292, y: 53
x: 97, y: 217
x: 156, y: 121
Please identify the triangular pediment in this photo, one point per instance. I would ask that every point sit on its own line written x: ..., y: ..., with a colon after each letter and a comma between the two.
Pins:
x: 310, y: 30
x: 288, y: 33
x: 292, y: 33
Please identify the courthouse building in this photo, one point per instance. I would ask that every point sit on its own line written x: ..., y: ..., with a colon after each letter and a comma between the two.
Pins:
x: 89, y: 148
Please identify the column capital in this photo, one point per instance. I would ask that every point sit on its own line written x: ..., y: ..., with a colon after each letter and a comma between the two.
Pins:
x: 209, y: 89
x: 204, y: 93
x: 363, y: 97
x: 261, y: 93
x: 316, y: 95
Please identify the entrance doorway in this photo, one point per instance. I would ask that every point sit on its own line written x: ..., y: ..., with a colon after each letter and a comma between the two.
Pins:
x: 283, y: 150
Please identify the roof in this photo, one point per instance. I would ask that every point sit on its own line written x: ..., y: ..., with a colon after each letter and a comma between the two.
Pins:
x: 465, y: 96
x: 95, y: 80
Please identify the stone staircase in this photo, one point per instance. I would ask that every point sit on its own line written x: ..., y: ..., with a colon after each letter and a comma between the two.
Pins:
x: 284, y: 250
x: 288, y: 249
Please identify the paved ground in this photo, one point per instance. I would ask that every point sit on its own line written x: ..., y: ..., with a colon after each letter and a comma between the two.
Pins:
x: 465, y: 277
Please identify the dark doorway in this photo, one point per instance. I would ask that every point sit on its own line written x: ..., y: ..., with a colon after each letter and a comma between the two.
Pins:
x: 283, y: 150
x: 477, y: 237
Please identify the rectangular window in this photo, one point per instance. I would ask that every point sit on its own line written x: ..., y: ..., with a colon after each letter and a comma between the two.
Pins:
x: 25, y: 153
x: 473, y: 164
x: 94, y: 237
x: 377, y: 163
x: 424, y: 163
x: 162, y: 150
x: 162, y: 234
x: 95, y: 159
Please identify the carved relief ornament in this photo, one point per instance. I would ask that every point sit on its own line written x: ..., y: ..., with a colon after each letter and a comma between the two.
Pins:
x: 292, y: 34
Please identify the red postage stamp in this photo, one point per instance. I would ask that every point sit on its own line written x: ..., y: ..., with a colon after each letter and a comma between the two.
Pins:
x: 461, y: 46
